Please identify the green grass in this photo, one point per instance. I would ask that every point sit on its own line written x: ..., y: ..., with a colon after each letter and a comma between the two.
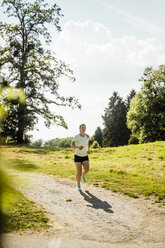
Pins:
x: 23, y: 214
x: 18, y: 212
x: 133, y: 170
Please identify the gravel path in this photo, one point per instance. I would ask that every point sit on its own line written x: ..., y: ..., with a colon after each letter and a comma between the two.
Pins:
x: 95, y: 215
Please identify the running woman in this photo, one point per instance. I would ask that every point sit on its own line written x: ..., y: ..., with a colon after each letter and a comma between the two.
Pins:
x: 81, y: 144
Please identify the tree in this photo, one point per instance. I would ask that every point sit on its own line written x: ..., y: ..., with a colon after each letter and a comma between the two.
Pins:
x: 115, y: 132
x: 98, y: 136
x: 25, y: 63
x: 129, y: 98
x: 146, y: 117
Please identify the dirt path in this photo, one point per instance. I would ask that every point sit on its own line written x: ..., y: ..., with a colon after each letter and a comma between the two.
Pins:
x: 96, y: 216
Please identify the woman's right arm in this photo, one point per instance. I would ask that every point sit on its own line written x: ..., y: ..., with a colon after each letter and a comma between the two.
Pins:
x: 73, y: 144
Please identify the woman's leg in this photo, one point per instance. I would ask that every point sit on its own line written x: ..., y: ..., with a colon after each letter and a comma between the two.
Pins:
x: 86, y: 168
x: 79, y: 172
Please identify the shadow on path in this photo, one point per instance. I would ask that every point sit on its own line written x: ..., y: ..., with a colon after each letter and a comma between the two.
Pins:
x: 96, y: 203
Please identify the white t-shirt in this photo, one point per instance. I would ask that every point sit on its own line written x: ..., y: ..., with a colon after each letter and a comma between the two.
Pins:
x: 81, y: 141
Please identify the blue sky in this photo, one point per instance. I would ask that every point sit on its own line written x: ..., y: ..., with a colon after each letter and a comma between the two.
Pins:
x: 131, y: 17
x: 108, y: 44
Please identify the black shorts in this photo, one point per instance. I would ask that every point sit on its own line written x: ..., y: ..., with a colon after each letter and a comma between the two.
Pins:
x: 80, y: 159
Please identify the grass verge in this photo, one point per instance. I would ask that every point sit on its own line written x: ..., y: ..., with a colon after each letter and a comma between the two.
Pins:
x: 18, y: 212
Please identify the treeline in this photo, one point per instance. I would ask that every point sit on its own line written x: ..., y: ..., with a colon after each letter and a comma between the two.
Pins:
x: 138, y: 119
x: 58, y: 142
x: 61, y: 142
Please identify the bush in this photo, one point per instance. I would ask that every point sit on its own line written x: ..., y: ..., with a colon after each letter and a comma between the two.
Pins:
x: 2, y: 140
x: 95, y: 145
x: 38, y: 143
x: 60, y: 142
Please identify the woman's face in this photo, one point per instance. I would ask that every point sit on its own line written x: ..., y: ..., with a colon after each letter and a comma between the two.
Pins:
x: 83, y: 129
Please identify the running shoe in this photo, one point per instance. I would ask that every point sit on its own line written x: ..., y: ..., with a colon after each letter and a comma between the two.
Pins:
x: 84, y: 179
x: 79, y: 188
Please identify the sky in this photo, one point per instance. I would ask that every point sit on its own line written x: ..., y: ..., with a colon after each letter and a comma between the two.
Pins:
x: 107, y: 44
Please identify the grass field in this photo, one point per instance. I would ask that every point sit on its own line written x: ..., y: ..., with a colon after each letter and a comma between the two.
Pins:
x: 133, y: 170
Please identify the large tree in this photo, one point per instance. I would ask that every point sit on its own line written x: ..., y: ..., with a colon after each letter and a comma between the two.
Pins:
x: 115, y: 132
x: 98, y: 136
x: 146, y: 117
x: 26, y: 63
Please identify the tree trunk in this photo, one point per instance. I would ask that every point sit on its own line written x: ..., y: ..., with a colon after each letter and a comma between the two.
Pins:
x: 20, y: 139
x: 21, y: 109
x: 21, y: 119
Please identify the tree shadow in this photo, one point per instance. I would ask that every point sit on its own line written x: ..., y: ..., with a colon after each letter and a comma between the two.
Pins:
x: 23, y: 165
x: 96, y: 203
x: 36, y: 150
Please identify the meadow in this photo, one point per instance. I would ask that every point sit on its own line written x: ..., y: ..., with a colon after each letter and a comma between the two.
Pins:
x: 134, y: 170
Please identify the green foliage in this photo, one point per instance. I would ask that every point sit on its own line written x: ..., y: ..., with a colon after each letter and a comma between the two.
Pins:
x: 146, y: 117
x: 129, y: 99
x: 38, y: 143
x: 63, y: 142
x: 91, y: 140
x: 95, y: 145
x: 98, y: 136
x: 11, y: 95
x: 31, y: 67
x: 2, y: 140
x: 115, y: 132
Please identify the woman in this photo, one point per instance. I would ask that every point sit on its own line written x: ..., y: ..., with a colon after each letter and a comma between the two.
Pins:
x: 81, y: 144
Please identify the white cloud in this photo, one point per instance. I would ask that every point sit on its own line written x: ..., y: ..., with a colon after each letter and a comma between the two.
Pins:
x: 96, y: 56
x: 90, y: 31
x: 101, y: 64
